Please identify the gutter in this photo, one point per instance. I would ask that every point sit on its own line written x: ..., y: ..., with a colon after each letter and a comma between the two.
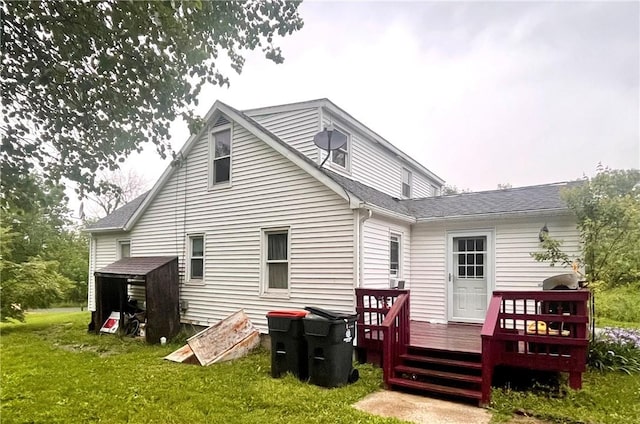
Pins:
x: 494, y: 215
x: 389, y: 214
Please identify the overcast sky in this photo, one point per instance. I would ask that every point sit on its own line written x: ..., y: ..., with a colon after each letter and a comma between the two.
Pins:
x: 480, y: 93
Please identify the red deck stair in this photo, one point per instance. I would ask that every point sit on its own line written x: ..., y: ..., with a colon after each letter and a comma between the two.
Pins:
x: 459, y: 360
x: 439, y: 372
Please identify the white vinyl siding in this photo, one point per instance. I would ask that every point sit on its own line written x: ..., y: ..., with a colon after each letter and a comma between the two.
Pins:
x: 268, y: 191
x: 104, y: 251
x: 376, y: 261
x: 296, y: 128
x: 423, y: 186
x: 515, y: 269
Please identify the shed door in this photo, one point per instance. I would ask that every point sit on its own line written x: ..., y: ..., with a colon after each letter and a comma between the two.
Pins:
x: 469, y: 269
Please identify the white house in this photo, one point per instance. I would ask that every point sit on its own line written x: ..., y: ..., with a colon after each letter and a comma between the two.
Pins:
x: 258, y: 224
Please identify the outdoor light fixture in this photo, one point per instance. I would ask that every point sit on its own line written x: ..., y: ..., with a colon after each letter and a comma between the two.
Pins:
x: 544, y: 233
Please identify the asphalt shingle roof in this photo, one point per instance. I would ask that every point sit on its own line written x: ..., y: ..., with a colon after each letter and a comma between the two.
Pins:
x: 119, y: 217
x: 522, y: 199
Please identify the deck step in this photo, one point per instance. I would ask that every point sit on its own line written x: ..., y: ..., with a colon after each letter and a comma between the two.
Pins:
x: 435, y: 388
x: 439, y: 374
x: 442, y: 361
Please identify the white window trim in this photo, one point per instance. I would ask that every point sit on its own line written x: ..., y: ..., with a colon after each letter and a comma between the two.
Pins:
x: 119, y: 243
x: 265, y: 291
x: 410, y: 183
x: 212, y: 151
x: 399, y: 236
x: 187, y: 261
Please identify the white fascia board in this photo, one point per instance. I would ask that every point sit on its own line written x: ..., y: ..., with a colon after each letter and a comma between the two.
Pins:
x: 309, y: 104
x: 498, y: 215
x: 285, y: 151
x: 184, y: 151
x: 102, y: 230
x: 389, y: 214
x: 331, y: 107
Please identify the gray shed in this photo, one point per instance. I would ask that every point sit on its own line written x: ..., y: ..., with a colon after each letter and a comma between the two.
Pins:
x: 159, y: 277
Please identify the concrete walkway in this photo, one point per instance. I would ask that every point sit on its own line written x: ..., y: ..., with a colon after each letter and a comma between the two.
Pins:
x: 421, y: 410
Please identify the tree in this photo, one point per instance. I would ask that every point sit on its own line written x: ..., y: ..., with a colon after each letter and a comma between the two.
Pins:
x: 607, y: 209
x: 36, y: 239
x: 127, y: 186
x: 86, y: 83
x: 448, y: 189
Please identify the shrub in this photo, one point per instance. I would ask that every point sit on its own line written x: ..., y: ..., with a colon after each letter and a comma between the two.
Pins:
x: 619, y: 303
x: 616, y: 349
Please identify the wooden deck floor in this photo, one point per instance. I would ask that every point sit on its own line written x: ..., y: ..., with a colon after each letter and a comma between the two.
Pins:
x: 452, y: 337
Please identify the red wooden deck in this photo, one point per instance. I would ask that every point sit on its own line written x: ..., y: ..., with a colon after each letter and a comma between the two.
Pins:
x: 446, y: 337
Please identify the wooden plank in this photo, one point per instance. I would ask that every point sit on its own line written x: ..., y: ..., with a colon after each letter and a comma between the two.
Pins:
x: 184, y: 355
x: 208, y: 344
x: 241, y: 349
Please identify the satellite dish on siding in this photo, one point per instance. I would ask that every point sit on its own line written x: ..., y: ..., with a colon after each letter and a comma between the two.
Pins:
x: 328, y: 140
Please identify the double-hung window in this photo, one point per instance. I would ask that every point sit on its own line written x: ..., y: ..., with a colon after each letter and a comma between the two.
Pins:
x: 406, y: 182
x: 221, y: 161
x: 196, y: 258
x: 394, y: 255
x: 276, y: 260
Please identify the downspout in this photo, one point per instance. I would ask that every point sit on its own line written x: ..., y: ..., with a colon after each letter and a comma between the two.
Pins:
x: 361, y: 221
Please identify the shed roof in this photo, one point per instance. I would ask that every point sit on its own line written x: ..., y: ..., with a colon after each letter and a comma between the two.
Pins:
x: 134, y: 266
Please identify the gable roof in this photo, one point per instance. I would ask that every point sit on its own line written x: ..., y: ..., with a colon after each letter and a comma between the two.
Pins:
x: 534, y: 199
x: 345, y: 116
x: 522, y: 200
x: 116, y: 219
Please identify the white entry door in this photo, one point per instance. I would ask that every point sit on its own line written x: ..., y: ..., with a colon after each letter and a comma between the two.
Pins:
x: 469, y: 275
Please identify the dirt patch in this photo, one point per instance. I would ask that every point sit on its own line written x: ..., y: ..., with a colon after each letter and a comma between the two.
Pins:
x: 422, y: 410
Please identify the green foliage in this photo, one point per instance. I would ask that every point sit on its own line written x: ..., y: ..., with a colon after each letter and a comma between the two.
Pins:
x: 36, y: 241
x: 607, y: 209
x: 84, y: 84
x: 616, y: 349
x: 32, y: 284
x: 605, y: 398
x: 53, y: 371
x: 617, y: 303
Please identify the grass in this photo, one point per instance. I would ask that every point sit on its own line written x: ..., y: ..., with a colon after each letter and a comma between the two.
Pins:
x: 617, y: 304
x: 606, y: 398
x: 54, y: 372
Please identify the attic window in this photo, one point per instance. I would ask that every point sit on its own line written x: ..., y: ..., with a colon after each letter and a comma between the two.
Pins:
x: 221, y: 162
x: 406, y: 182
x: 340, y: 156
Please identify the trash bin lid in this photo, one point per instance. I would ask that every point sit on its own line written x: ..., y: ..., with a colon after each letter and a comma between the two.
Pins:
x: 287, y: 314
x: 332, y: 315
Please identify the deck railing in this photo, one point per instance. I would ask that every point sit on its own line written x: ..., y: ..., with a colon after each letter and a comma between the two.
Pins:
x: 373, y: 306
x: 543, y: 330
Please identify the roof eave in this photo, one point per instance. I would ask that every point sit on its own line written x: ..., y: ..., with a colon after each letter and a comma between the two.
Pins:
x: 494, y: 215
x: 389, y: 214
x: 103, y: 230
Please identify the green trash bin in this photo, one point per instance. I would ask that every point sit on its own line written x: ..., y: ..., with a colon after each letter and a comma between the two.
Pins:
x: 288, y: 345
x: 329, y: 338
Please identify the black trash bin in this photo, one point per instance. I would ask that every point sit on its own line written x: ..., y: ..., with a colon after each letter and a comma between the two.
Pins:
x: 288, y: 345
x: 329, y: 338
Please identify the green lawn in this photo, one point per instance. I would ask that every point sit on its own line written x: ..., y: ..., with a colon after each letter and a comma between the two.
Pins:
x: 54, y: 372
